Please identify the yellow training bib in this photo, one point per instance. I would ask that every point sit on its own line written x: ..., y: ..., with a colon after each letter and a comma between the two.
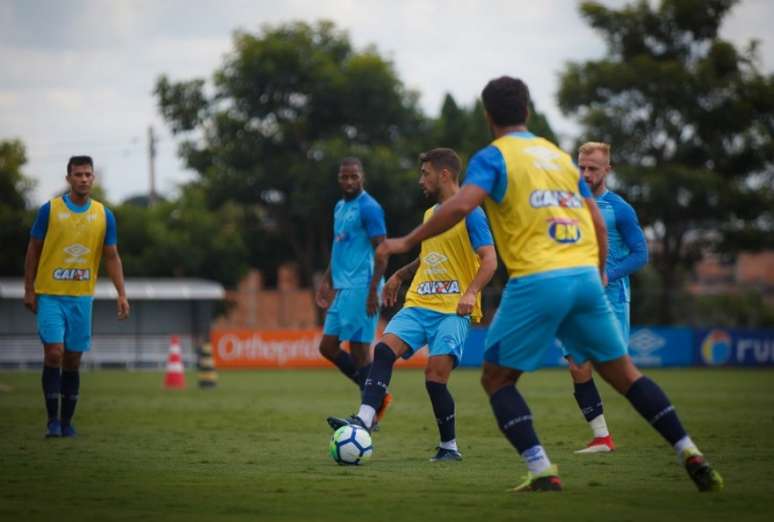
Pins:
x: 447, y: 265
x: 541, y: 223
x: 72, y: 249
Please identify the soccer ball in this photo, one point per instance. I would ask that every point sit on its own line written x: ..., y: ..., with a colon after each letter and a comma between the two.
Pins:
x: 350, y: 445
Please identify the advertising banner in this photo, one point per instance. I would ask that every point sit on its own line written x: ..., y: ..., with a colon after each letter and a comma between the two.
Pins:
x: 655, y: 347
x: 734, y: 347
x: 278, y: 349
x: 648, y: 346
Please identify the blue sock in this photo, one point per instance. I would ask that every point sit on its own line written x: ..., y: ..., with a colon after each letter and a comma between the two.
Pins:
x: 588, y: 399
x: 378, y: 379
x: 346, y: 364
x: 652, y: 403
x: 514, y: 418
x: 362, y: 374
x: 443, y: 408
x: 71, y: 384
x: 52, y: 389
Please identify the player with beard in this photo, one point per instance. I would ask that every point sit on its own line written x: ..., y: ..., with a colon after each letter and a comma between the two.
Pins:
x: 442, y: 301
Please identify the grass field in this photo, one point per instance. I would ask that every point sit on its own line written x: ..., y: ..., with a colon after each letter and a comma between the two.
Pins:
x: 255, y: 447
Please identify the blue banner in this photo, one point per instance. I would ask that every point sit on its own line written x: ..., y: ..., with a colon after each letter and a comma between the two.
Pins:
x: 658, y: 347
x: 734, y: 347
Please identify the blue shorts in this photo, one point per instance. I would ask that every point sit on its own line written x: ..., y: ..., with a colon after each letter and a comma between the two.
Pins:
x: 65, y: 319
x: 347, y: 318
x: 444, y: 334
x: 621, y: 311
x: 568, y: 304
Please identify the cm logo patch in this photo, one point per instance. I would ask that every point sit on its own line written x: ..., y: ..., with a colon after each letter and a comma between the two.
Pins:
x: 563, y: 230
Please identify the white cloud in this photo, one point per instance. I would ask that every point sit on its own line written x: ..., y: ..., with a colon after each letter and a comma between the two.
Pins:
x: 78, y: 75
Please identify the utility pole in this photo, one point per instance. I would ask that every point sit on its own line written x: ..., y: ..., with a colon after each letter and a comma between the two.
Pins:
x: 152, y: 165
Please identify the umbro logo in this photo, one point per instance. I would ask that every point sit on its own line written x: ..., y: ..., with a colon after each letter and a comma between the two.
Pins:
x: 77, y: 253
x: 434, y: 258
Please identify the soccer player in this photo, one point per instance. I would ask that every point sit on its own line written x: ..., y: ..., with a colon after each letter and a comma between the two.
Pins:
x: 70, y: 235
x: 627, y: 252
x: 350, y: 286
x: 552, y: 239
x: 443, y: 299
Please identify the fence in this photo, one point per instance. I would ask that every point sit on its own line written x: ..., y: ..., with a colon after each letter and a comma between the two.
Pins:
x: 128, y: 352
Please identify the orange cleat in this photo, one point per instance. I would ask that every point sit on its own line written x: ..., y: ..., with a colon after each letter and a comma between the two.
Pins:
x: 381, y: 411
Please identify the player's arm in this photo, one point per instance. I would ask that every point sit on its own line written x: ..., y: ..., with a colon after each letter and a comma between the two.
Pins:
x: 448, y: 214
x: 482, y: 242
x: 627, y: 224
x: 488, y: 264
x: 372, y: 218
x: 601, y: 232
x: 113, y: 265
x: 115, y: 271
x: 324, y: 292
x: 32, y: 257
x: 31, y: 260
x: 391, y: 287
x: 380, y: 266
x: 485, y: 171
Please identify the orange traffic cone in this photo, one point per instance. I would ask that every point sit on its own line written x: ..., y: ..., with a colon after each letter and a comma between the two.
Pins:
x: 174, y: 378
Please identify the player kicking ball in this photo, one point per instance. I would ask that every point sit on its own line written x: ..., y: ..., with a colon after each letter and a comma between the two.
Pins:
x: 443, y: 299
x: 552, y: 240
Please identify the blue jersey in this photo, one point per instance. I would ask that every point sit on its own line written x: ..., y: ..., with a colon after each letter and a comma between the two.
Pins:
x: 355, y: 223
x: 627, y: 249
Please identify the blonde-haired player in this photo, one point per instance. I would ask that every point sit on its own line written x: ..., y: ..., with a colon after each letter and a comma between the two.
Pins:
x: 627, y: 252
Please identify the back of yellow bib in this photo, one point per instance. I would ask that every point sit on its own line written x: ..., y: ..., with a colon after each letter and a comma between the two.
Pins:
x: 541, y: 223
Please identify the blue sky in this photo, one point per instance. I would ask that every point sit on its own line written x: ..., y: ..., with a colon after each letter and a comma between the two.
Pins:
x: 77, y: 75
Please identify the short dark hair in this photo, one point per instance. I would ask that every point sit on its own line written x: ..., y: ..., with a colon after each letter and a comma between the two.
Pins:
x: 78, y: 161
x: 442, y: 158
x: 351, y: 160
x: 506, y: 100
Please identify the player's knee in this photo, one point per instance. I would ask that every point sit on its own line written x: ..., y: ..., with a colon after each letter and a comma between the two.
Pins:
x: 581, y: 373
x: 71, y: 362
x: 440, y: 375
x: 491, y: 382
x: 53, y: 357
x: 384, y: 353
x: 329, y: 349
x: 494, y: 379
x: 361, y: 353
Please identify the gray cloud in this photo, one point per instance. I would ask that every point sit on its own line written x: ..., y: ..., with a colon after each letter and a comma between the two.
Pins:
x: 77, y: 75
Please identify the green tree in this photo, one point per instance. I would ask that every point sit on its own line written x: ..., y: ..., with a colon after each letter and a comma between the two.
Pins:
x: 282, y: 110
x: 15, y: 218
x: 182, y: 238
x: 465, y: 129
x: 690, y: 118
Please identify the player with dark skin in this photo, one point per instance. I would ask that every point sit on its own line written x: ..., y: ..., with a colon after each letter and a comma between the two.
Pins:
x: 351, y: 179
x: 440, y: 305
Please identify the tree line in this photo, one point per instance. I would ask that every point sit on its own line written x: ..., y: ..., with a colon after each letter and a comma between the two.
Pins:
x: 690, y: 118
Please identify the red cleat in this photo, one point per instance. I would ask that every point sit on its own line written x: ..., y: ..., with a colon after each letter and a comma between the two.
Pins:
x: 599, y: 445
